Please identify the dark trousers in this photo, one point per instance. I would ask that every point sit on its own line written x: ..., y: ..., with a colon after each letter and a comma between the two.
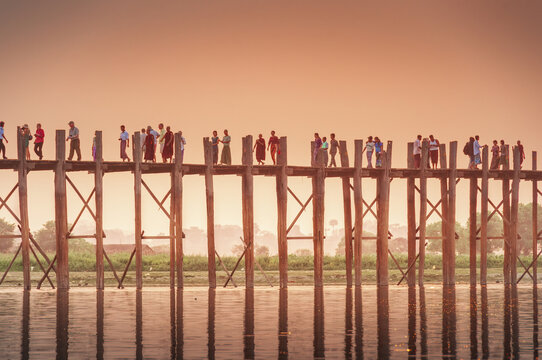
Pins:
x: 74, y: 147
x: 2, y: 148
x: 37, y: 149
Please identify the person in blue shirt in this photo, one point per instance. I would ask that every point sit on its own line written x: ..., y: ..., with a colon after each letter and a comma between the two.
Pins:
x: 378, y: 151
x: 2, y: 138
x: 124, y: 142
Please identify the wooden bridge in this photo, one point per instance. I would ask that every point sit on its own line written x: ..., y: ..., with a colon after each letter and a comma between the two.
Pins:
x: 447, y: 175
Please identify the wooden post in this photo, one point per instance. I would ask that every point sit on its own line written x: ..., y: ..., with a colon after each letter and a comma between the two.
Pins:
x: 411, y: 218
x: 347, y: 205
x: 282, y: 210
x: 23, y: 209
x: 449, y: 257
x: 535, y: 220
x: 136, y: 140
x: 172, y: 237
x: 248, y: 338
x: 177, y: 197
x: 444, y: 203
x: 319, y: 324
x: 98, y: 196
x: 423, y: 212
x: 383, y: 219
x: 473, y: 194
x: 209, y: 196
x: 61, y: 213
x: 358, y: 209
x: 318, y: 191
x: 506, y: 220
x: 514, y: 217
x: 283, y: 323
x: 483, y: 217
x: 248, y: 210
x: 62, y: 318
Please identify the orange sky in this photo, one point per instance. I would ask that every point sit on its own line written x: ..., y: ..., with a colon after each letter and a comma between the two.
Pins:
x: 386, y: 68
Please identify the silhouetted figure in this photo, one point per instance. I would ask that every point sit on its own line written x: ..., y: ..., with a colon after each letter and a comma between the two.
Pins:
x: 149, y: 145
x: 504, y: 160
x: 2, y: 138
x: 73, y: 138
x: 142, y: 136
x: 25, y: 132
x: 521, y: 154
x: 38, y: 142
x: 161, y: 136
x: 477, y: 151
x: 333, y: 147
x: 433, y: 151
x: 273, y: 146
x: 495, y: 156
x: 468, y: 150
x: 317, y: 146
x: 417, y: 152
x: 167, y: 150
x: 225, y: 157
x: 369, y: 147
x: 124, y: 142
x: 214, y: 143
x: 183, y: 143
x: 259, y: 149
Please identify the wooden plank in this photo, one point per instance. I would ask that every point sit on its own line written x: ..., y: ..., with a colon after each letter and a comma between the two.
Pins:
x: 444, y: 201
x: 209, y: 198
x: 282, y: 211
x: 483, y: 217
x: 23, y: 210
x: 347, y: 207
x: 383, y: 205
x: 318, y: 191
x: 423, y: 211
x: 514, y: 217
x: 248, y: 210
x: 177, y: 198
x: 136, y: 140
x: 358, y: 210
x: 61, y: 213
x: 506, y: 219
x: 98, y: 197
x: 449, y: 257
x: 534, y: 212
x: 473, y: 195
x: 411, y: 219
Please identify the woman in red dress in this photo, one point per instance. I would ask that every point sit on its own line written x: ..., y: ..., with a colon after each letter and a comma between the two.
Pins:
x: 259, y: 147
x: 273, y: 143
x: 167, y: 152
x: 148, y: 146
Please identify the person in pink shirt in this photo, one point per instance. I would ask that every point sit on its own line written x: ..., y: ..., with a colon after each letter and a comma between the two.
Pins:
x: 38, y: 142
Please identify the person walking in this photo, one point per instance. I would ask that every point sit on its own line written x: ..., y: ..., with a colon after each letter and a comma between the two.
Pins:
x: 477, y: 152
x: 167, y: 150
x: 2, y: 138
x: 161, y: 136
x: 214, y: 145
x: 225, y: 157
x: 317, y: 146
x: 149, y: 146
x: 468, y: 150
x: 504, y: 161
x: 494, y: 156
x: 273, y: 144
x: 369, y: 147
x: 334, y: 146
x: 521, y: 153
x: 417, y: 152
x: 433, y: 150
x: 124, y: 142
x: 142, y: 137
x: 325, y: 147
x: 25, y: 132
x: 38, y: 141
x: 155, y: 134
x: 378, y: 152
x: 73, y: 137
x: 259, y: 149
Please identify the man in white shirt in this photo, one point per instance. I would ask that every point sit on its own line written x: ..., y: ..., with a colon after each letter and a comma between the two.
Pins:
x: 183, y: 143
x: 124, y: 143
x: 417, y: 152
x: 476, y: 150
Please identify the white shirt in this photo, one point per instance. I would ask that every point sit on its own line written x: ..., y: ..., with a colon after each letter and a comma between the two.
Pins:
x: 370, y: 146
x: 476, y: 147
x: 433, y: 145
x: 142, y: 137
x: 417, y: 147
x: 183, y: 143
x: 155, y: 134
x: 124, y: 135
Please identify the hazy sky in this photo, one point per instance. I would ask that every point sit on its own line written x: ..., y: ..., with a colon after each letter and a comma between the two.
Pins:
x: 386, y: 68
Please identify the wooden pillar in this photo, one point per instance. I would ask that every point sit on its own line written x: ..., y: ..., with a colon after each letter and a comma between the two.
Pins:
x: 209, y: 196
x: 98, y: 196
x: 444, y: 203
x: 358, y: 210
x: 248, y: 210
x: 535, y: 220
x: 449, y: 257
x: 411, y: 218
x: 61, y: 213
x: 172, y: 238
x: 248, y: 333
x: 423, y: 211
x: 282, y: 211
x: 383, y: 218
x: 283, y: 324
x: 483, y: 217
x: 506, y: 215
x: 178, y: 200
x: 136, y: 140
x: 473, y: 195
x: 347, y: 205
x: 318, y: 191
x: 23, y: 210
x: 514, y: 217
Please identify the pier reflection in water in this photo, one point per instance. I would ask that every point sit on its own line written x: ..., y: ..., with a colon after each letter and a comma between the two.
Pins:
x: 371, y: 322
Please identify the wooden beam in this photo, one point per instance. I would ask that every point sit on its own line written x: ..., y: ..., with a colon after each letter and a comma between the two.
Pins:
x: 383, y: 218
x: 423, y: 211
x: 483, y: 217
x: 61, y: 213
x: 136, y: 140
x: 534, y: 212
x: 444, y: 201
x: 282, y: 211
x: 23, y: 210
x: 98, y: 197
x: 506, y: 219
x: 473, y: 195
x: 411, y: 218
x: 248, y: 210
x: 347, y: 207
x: 514, y: 217
x: 449, y: 257
x: 177, y: 198
x: 318, y: 192
x: 209, y: 198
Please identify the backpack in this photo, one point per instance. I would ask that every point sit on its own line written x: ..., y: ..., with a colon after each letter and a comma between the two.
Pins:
x: 466, y: 148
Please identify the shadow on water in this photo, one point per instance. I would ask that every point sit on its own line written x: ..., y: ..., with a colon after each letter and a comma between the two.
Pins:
x: 248, y: 332
x: 25, y: 342
x: 348, y: 326
x: 99, y: 324
x: 319, y: 344
x: 448, y: 321
x: 359, y: 322
x: 62, y: 316
x: 283, y: 324
x: 383, y: 326
x: 211, y: 303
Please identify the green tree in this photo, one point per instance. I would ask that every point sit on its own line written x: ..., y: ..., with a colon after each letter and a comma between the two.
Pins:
x: 6, y: 229
x: 366, y: 246
x: 435, y: 245
x: 46, y: 236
